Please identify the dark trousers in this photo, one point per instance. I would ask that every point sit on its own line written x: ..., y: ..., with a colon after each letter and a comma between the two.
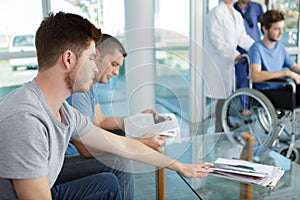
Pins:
x: 102, y: 186
x: 76, y: 167
x: 241, y: 71
x: 95, y: 187
x: 218, y: 122
x: 283, y: 98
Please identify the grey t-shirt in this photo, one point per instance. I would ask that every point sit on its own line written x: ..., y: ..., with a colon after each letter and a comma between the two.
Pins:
x: 85, y: 102
x: 32, y: 140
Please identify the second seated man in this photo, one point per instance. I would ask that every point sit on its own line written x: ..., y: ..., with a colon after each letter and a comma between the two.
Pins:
x: 110, y: 57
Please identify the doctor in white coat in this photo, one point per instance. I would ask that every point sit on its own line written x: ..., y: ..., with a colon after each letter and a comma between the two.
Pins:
x: 224, y: 32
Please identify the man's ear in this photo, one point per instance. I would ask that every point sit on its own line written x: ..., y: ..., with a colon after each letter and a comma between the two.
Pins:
x: 264, y: 29
x: 68, y: 59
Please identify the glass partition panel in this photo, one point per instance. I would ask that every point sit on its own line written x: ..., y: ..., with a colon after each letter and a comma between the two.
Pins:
x: 172, y: 55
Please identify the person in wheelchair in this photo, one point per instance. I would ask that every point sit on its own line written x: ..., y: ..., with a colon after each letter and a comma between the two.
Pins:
x: 270, y: 60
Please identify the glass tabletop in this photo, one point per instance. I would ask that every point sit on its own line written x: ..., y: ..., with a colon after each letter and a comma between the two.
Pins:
x: 209, y: 147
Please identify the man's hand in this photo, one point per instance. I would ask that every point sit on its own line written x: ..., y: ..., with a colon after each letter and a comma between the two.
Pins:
x: 238, y: 58
x: 153, y: 141
x: 294, y: 76
x: 198, y: 170
x: 150, y: 111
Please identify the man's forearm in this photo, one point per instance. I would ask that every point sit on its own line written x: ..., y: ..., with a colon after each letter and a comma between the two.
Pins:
x: 112, y: 123
x: 266, y: 75
x: 296, y: 69
x: 99, y: 140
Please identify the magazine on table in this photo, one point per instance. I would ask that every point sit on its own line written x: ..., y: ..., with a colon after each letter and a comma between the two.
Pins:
x: 247, y: 172
x: 163, y: 124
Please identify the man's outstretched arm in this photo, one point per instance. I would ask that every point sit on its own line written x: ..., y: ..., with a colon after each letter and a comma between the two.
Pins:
x: 99, y: 140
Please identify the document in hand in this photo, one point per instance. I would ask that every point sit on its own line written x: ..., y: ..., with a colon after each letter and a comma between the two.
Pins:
x: 247, y: 172
x: 163, y: 124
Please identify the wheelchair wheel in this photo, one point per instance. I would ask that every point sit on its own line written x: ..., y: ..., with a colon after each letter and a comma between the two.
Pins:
x: 251, y: 111
x: 294, y: 154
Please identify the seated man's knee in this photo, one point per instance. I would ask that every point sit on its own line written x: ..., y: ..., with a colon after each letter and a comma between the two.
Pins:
x: 107, y: 185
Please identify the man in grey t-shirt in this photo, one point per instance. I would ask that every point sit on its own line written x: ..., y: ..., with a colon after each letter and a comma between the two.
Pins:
x: 36, y: 123
x: 35, y: 130
x: 46, y: 137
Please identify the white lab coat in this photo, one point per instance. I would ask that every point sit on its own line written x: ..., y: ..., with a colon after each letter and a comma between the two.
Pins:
x: 223, y: 35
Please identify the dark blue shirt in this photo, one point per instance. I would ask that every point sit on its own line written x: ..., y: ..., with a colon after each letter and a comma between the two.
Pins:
x: 251, y: 14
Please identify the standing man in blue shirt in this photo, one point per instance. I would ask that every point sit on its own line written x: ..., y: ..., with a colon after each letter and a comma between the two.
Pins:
x: 251, y: 13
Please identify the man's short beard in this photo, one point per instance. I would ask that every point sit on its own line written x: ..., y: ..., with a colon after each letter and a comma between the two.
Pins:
x: 271, y: 39
x: 69, y: 82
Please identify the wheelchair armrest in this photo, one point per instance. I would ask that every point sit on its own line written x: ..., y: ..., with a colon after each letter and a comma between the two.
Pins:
x: 285, y: 81
x: 280, y: 81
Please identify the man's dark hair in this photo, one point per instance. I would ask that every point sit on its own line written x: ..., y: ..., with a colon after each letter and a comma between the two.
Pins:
x: 109, y: 44
x: 270, y: 17
x: 60, y: 32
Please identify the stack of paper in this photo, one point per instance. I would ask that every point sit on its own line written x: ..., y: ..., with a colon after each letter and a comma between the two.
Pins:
x: 247, y: 172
